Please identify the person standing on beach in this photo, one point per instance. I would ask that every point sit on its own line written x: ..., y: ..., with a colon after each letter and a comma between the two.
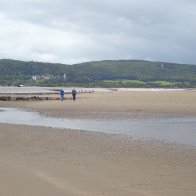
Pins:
x: 74, y: 94
x: 62, y: 94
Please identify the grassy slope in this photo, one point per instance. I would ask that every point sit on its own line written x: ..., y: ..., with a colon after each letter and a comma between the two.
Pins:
x: 113, y: 73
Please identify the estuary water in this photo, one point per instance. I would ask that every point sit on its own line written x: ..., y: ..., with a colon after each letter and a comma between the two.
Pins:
x: 180, y: 130
x: 40, y: 90
x: 37, y: 90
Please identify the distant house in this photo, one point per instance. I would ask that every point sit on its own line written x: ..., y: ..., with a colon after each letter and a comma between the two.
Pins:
x: 49, y: 76
x: 34, y: 77
x: 162, y: 66
x: 46, y: 77
x: 64, y: 76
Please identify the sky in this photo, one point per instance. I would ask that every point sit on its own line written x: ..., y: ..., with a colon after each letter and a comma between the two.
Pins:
x: 74, y: 31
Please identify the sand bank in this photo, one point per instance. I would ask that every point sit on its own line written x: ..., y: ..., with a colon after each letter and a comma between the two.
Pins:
x: 43, y: 161
x: 100, y: 103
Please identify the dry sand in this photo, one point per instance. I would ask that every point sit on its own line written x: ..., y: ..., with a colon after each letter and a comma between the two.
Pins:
x: 42, y: 161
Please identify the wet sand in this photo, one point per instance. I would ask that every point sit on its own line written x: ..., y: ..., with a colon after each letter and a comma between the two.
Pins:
x: 45, y: 161
x: 105, y: 103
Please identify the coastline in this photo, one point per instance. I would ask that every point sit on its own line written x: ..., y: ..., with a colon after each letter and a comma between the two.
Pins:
x: 48, y: 161
x: 180, y: 102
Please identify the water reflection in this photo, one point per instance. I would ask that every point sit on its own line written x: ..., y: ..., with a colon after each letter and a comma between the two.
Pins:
x: 172, y: 129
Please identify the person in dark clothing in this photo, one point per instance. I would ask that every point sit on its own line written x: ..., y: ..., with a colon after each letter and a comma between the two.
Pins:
x: 62, y: 94
x: 74, y: 94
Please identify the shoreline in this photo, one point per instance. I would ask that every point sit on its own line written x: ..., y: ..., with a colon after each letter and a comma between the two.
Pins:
x: 51, y: 161
x: 90, y: 104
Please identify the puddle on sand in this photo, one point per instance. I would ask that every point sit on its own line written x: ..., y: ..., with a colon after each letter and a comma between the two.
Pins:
x: 180, y: 130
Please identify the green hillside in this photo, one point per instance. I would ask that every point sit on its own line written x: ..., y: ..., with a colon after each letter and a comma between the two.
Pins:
x: 122, y: 73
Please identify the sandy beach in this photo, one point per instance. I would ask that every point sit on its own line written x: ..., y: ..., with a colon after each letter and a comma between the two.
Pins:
x: 46, y: 161
x: 90, y: 105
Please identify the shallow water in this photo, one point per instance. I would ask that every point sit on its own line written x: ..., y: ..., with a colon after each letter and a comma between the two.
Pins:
x: 37, y: 90
x: 179, y: 130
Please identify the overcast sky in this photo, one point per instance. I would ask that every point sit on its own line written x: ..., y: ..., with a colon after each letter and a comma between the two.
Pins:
x: 72, y: 31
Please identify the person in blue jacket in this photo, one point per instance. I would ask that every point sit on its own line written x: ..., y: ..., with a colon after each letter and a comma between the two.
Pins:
x: 74, y: 94
x: 62, y: 94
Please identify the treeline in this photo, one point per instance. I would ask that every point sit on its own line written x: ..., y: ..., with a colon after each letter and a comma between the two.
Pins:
x: 122, y: 73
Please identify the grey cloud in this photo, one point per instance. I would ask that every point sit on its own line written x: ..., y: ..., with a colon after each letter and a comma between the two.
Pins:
x: 78, y: 30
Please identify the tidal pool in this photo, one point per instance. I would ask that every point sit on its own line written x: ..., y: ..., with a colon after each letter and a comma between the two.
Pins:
x: 180, y: 130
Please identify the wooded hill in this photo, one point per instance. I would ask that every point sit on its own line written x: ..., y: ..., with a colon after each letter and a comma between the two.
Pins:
x: 108, y: 73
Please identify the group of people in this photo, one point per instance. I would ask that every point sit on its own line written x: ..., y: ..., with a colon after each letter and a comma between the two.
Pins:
x: 74, y: 92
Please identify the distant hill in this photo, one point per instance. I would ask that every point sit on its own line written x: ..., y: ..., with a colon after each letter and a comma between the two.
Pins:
x: 108, y: 73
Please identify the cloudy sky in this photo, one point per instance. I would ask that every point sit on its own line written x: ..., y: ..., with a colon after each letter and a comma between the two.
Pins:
x: 72, y: 31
